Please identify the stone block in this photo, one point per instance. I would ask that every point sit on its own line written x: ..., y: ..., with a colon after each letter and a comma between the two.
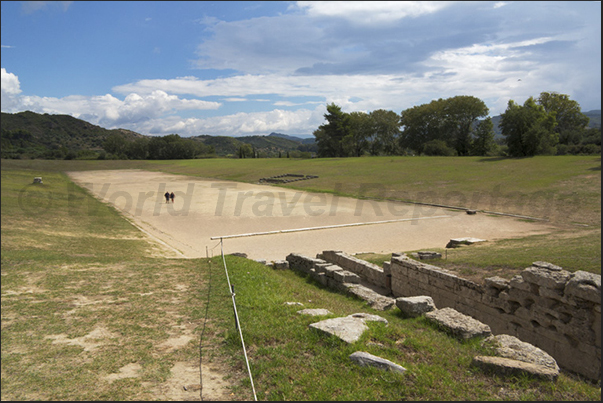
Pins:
x: 345, y: 276
x: 458, y: 242
x: 365, y: 359
x: 584, y: 285
x: 547, y: 265
x: 496, y: 282
x: 508, y: 346
x: 460, y: 325
x: 427, y: 255
x: 280, y: 264
x: 545, y: 277
x: 519, y: 283
x: 387, y: 268
x: 509, y: 367
x: 415, y: 306
x: 347, y: 329
x: 374, y: 299
x: 320, y: 267
x: 330, y: 270
x: 321, y: 278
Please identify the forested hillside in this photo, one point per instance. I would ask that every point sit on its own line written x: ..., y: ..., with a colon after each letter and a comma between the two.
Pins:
x: 33, y: 135
x: 53, y: 136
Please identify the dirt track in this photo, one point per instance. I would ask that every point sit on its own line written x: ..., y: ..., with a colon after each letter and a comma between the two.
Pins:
x: 204, y: 209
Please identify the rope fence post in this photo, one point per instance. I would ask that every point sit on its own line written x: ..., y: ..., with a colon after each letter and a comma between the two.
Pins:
x: 237, y: 325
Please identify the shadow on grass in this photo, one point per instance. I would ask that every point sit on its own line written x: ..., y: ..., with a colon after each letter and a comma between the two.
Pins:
x: 596, y: 168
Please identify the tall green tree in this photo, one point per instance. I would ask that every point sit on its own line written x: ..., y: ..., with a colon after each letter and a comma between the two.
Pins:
x: 571, y: 122
x: 357, y: 141
x: 483, y: 143
x: 528, y: 129
x: 386, y: 131
x: 460, y: 113
x: 329, y: 136
x: 450, y: 120
x: 422, y: 123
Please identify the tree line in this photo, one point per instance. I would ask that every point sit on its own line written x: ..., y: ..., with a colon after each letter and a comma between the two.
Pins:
x: 550, y: 124
x: 170, y: 147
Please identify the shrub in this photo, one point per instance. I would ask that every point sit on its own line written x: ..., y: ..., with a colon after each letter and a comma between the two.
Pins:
x: 438, y: 148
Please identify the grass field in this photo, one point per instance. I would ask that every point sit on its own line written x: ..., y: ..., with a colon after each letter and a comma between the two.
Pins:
x: 92, y: 311
x: 565, y: 189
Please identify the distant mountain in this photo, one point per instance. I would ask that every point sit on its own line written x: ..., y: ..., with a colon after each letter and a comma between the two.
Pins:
x: 307, y: 139
x: 272, y: 145
x: 595, y: 118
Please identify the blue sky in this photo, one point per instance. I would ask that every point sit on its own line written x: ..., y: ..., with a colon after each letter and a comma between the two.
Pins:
x: 252, y: 68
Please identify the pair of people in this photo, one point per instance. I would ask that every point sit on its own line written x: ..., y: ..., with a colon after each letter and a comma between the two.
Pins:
x: 169, y: 196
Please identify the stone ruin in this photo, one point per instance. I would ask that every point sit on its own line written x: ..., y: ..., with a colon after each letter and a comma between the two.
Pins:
x: 287, y: 178
x: 546, y: 306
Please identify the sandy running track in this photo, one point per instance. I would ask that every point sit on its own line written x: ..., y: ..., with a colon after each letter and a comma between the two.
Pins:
x: 208, y: 208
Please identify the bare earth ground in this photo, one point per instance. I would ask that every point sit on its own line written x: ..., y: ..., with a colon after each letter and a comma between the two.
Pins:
x: 204, y: 209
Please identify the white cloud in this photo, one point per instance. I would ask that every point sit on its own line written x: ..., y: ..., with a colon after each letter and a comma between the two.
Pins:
x: 302, y: 121
x: 11, y: 88
x: 371, y: 12
x: 10, y: 83
x: 29, y: 7
x: 105, y: 110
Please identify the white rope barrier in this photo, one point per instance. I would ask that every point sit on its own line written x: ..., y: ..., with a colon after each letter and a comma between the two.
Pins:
x: 237, y: 320
x: 283, y: 231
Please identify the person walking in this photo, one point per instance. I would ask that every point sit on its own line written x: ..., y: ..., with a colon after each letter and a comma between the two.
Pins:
x: 172, y: 196
x: 167, y: 197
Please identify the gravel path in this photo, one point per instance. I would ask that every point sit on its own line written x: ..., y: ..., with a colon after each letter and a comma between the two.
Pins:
x: 203, y: 209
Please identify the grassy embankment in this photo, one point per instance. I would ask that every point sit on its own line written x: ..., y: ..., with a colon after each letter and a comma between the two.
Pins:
x: 84, y: 295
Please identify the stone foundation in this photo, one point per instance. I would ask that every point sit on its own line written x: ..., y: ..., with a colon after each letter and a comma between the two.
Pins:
x: 551, y: 308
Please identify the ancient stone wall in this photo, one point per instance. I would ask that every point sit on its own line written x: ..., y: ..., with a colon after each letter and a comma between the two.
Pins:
x: 368, y: 271
x: 558, y: 311
x: 325, y: 273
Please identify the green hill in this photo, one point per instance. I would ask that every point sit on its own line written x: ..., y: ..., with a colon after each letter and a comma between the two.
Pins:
x: 53, y: 136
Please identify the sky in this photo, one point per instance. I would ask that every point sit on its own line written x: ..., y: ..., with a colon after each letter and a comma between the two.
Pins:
x: 251, y: 68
